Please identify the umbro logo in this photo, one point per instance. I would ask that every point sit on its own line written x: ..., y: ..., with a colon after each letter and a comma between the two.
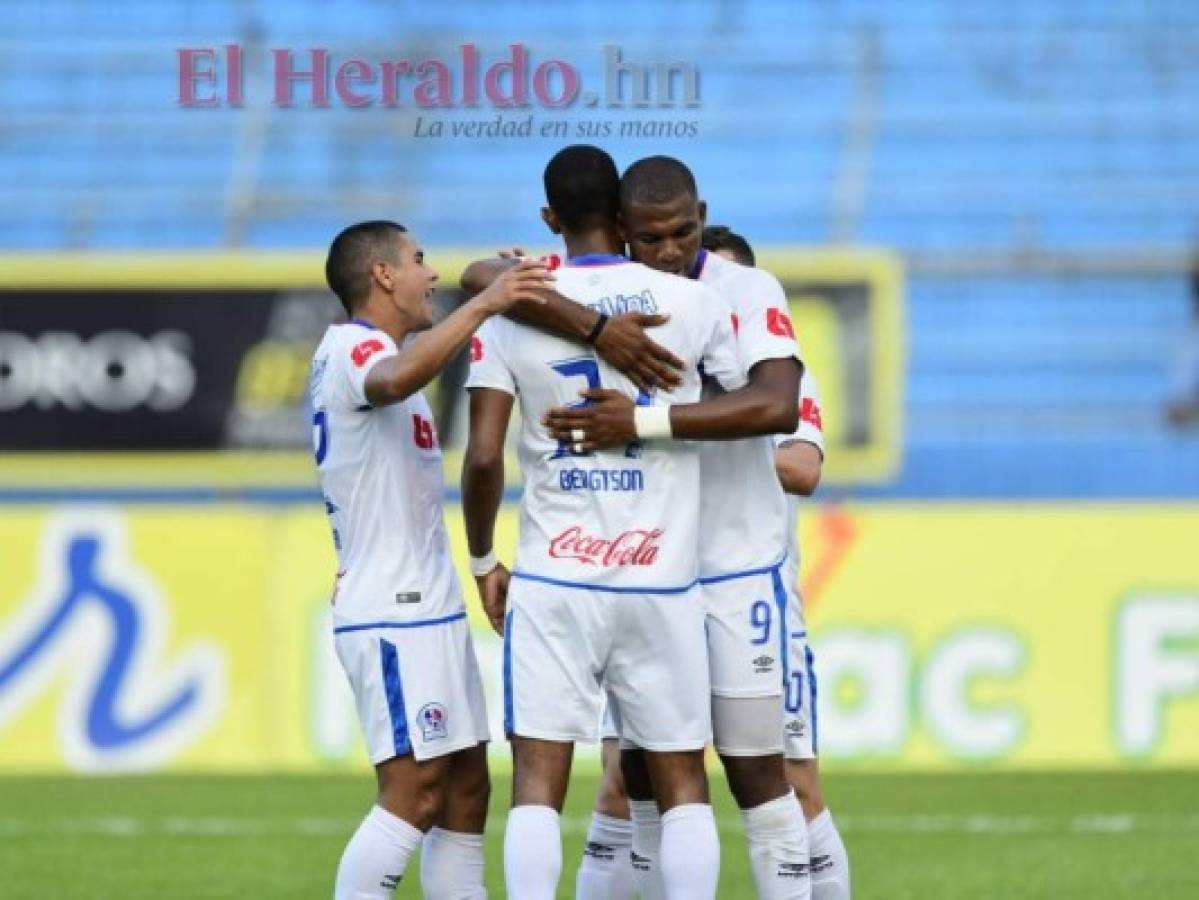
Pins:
x: 793, y: 870
x: 599, y: 851
x: 763, y: 663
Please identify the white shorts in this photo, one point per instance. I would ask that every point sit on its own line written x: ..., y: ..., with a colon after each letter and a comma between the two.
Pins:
x: 564, y: 646
x: 416, y: 685
x: 747, y: 629
x: 799, y: 686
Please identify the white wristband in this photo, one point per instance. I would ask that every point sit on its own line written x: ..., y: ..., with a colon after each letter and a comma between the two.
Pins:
x: 652, y: 422
x: 483, y: 565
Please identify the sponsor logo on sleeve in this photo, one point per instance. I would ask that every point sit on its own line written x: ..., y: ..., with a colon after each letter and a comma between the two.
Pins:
x: 364, y: 350
x: 809, y: 411
x: 779, y: 323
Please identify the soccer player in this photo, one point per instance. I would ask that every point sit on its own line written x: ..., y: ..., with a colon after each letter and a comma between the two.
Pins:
x: 604, y: 592
x: 722, y: 241
x: 399, y: 625
x: 799, y: 461
x: 745, y: 524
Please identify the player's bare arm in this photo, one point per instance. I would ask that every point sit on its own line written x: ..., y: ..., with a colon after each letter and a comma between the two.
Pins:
x: 483, y: 491
x: 621, y: 340
x: 767, y: 404
x: 398, y: 377
x: 799, y: 464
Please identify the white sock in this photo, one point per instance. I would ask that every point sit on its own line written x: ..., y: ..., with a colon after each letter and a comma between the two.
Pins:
x: 647, y: 845
x: 830, y: 862
x: 605, y: 873
x: 690, y: 858
x: 451, y: 866
x: 532, y: 853
x: 376, y: 856
x: 778, y: 849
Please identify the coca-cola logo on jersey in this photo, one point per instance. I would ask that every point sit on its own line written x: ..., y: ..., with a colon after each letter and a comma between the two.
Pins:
x: 635, y: 547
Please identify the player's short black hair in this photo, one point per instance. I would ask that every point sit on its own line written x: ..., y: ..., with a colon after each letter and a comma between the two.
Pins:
x: 351, y: 255
x: 656, y: 180
x: 582, y: 187
x: 719, y: 237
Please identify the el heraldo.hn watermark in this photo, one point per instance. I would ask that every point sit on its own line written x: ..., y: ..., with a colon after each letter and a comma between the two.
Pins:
x: 654, y: 93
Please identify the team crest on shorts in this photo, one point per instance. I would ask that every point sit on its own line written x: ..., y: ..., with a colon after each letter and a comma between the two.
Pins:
x: 432, y: 720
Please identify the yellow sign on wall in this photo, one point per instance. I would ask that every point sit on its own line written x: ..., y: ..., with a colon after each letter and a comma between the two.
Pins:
x: 197, y: 637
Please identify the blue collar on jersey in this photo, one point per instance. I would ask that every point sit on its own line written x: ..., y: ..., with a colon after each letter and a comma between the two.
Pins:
x: 596, y: 259
x: 700, y: 259
x: 363, y: 323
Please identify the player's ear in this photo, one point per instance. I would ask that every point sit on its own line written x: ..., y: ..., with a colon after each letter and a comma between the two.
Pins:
x: 703, y: 214
x: 621, y: 229
x: 550, y: 218
x: 381, y: 275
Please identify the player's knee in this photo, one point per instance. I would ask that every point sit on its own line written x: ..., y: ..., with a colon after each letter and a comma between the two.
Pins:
x: 678, y: 778
x: 421, y: 804
x: 413, y: 791
x: 804, y: 778
x: 540, y: 770
x: 754, y: 780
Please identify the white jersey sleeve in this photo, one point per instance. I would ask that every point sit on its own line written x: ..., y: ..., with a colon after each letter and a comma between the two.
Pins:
x: 764, y: 328
x: 353, y: 356
x: 488, y: 366
x: 811, y: 416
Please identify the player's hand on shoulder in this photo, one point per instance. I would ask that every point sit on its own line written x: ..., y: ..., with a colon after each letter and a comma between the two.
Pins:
x: 493, y: 594
x: 605, y: 423
x: 625, y: 346
x: 528, y: 280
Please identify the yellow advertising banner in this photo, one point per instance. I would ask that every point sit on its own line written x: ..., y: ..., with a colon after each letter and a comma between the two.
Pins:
x: 195, y: 637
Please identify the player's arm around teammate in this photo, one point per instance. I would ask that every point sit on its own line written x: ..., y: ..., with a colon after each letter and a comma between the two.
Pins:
x: 621, y: 340
x: 663, y: 219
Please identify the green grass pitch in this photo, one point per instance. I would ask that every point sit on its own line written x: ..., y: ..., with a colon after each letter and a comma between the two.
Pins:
x: 1115, y: 835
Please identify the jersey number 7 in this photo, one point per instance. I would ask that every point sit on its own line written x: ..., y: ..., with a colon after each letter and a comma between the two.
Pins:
x: 587, y: 367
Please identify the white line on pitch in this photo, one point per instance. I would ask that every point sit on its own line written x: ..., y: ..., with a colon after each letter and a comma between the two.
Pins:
x: 1116, y: 823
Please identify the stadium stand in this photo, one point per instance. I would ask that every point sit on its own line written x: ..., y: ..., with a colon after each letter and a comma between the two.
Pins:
x: 1018, y: 154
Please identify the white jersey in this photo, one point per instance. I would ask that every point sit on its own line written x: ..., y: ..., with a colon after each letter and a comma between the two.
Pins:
x: 381, y: 476
x: 810, y: 429
x: 622, y: 519
x: 743, y: 510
